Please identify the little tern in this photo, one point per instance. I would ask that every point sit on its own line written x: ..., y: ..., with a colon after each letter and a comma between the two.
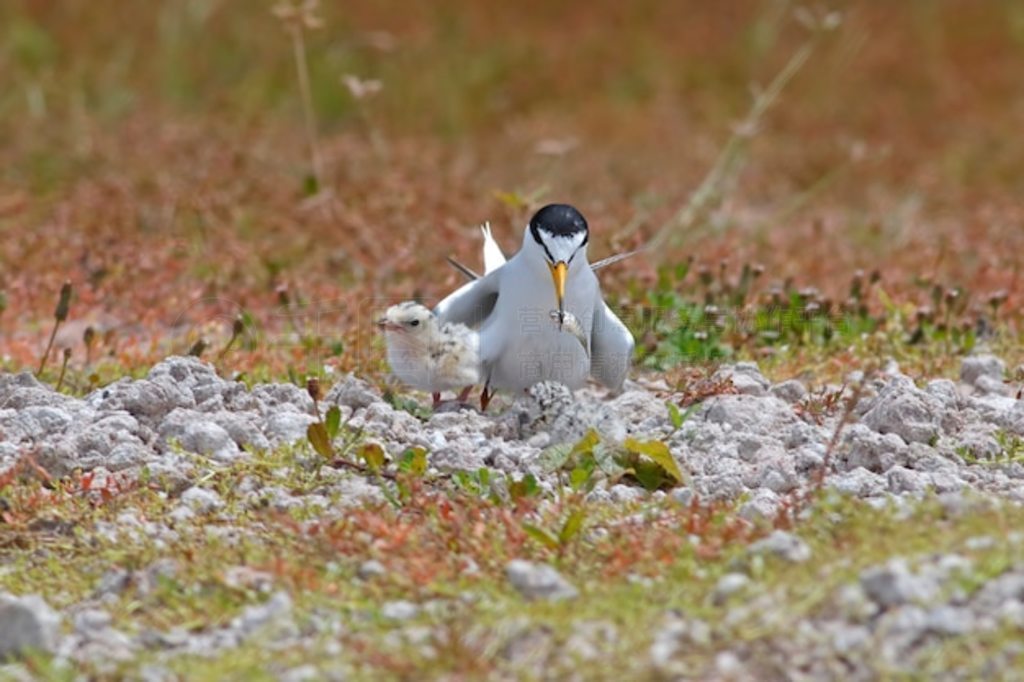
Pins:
x: 430, y: 355
x: 511, y: 305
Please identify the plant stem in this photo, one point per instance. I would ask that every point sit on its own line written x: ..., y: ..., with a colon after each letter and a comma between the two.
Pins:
x: 63, y: 369
x: 731, y: 159
x: 49, y: 347
x: 305, y: 92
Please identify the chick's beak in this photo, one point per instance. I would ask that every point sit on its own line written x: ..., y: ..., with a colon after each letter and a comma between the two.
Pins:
x: 558, y: 274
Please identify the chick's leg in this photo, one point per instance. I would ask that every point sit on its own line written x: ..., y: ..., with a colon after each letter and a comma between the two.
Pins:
x: 464, y: 395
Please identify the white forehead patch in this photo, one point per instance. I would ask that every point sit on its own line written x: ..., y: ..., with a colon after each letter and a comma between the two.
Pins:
x: 562, y: 247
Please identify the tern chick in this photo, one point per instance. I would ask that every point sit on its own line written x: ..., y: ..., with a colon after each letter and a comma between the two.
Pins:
x: 429, y: 355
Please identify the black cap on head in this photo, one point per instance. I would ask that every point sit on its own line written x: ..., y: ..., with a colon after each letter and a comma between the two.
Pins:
x: 559, y: 220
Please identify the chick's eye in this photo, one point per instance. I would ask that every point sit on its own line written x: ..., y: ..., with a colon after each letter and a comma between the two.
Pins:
x: 414, y: 323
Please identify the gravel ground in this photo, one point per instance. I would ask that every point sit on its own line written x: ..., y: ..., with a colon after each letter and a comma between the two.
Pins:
x: 904, y: 441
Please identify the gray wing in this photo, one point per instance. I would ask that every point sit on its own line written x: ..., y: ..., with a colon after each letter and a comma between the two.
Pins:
x: 471, y: 303
x: 611, y: 347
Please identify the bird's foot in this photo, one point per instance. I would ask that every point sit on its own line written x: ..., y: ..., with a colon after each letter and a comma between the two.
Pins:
x: 437, y: 399
x: 485, y: 398
x: 464, y: 395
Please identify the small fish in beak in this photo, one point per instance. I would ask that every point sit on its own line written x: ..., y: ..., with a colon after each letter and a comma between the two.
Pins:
x: 567, y: 322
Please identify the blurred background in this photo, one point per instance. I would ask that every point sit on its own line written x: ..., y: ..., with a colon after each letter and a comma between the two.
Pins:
x: 189, y: 163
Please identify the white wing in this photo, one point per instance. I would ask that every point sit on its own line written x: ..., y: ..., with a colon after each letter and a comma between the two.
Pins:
x: 611, y: 347
x: 493, y: 257
x: 471, y: 303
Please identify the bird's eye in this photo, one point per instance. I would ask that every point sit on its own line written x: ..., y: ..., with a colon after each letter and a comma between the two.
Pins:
x: 414, y: 323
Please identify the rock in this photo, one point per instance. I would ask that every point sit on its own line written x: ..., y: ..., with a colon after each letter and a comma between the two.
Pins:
x: 399, y: 610
x: 302, y: 673
x: 951, y: 620
x: 987, y: 385
x: 903, y: 480
x: 145, y: 400
x: 783, y: 545
x: 18, y: 391
x: 207, y: 438
x: 27, y: 624
x: 728, y: 585
x: 683, y: 496
x: 745, y: 376
x: 201, y: 500
x: 945, y: 392
x: 273, y: 613
x: 975, y: 367
x: 749, y: 414
x: 539, y: 581
x: 1008, y: 587
x: 288, y: 427
x: 277, y: 398
x: 46, y: 419
x: 792, y: 391
x: 894, y: 585
x: 371, y: 569
x: 352, y: 392
x: 870, y: 450
x: 905, y: 410
x: 858, y: 483
x: 763, y: 505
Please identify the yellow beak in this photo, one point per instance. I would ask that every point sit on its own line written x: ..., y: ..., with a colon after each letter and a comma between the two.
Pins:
x: 558, y: 273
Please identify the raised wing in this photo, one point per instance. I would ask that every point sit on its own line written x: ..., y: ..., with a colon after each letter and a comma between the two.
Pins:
x: 493, y: 257
x: 471, y: 303
x: 611, y: 347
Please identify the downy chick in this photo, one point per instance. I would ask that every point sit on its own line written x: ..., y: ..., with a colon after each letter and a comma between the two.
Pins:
x: 428, y: 355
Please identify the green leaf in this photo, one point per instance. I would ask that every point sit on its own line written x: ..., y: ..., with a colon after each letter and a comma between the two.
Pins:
x: 483, y: 475
x: 524, y: 487
x: 579, y: 477
x: 413, y: 461
x: 679, y: 418
x: 650, y: 475
x: 562, y: 455
x: 333, y: 421
x: 586, y: 444
x: 658, y: 452
x: 373, y: 455
x: 464, y: 481
x: 542, y: 536
x: 572, y: 526
x: 605, y: 457
x: 675, y: 416
x: 554, y: 457
x: 317, y: 436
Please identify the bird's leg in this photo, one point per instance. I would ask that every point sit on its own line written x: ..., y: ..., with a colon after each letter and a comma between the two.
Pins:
x: 464, y: 396
x: 437, y: 399
x: 485, y: 397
